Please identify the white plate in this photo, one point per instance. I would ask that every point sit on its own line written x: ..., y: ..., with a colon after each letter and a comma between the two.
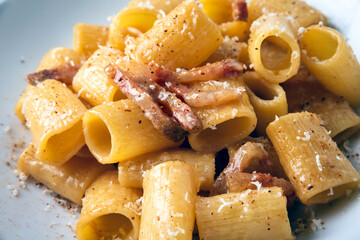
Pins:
x: 30, y: 28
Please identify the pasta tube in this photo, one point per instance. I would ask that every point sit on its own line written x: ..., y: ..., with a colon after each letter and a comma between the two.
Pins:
x: 331, y: 60
x: 88, y: 38
x: 251, y: 214
x: 226, y: 124
x: 336, y: 114
x: 131, y: 172
x: 70, y: 180
x: 118, y: 131
x: 54, y: 115
x: 231, y: 48
x: 19, y: 107
x: 110, y: 211
x: 92, y: 84
x: 59, y: 56
x: 273, y: 48
x: 160, y: 5
x: 186, y: 27
x: 314, y: 164
x: 239, y: 29
x: 168, y: 210
x: 267, y: 99
x: 218, y: 11
x: 141, y: 18
x: 300, y: 13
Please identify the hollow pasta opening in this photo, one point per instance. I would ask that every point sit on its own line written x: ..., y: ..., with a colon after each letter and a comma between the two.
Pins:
x: 109, y: 227
x: 118, y: 95
x: 275, y: 54
x: 260, y: 88
x: 97, y: 136
x: 319, y: 45
x: 332, y: 193
x: 62, y: 146
x: 210, y: 139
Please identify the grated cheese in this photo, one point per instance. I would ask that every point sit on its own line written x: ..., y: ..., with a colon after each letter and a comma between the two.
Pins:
x: 175, y: 233
x: 331, y: 193
x: 224, y: 204
x: 316, y: 224
x: 7, y: 129
x: 257, y: 184
x: 347, y: 147
x: 301, y: 30
x: 306, y: 138
x: 317, y: 157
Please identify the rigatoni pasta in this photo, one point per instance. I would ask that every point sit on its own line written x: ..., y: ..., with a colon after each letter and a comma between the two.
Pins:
x: 70, y: 179
x: 230, y: 48
x: 109, y: 210
x: 251, y: 214
x: 225, y: 124
x: 239, y: 29
x: 162, y: 44
x: 159, y: 5
x: 331, y: 60
x: 218, y: 11
x: 136, y: 18
x: 197, y: 87
x: 298, y: 11
x: 92, y: 84
x: 311, y: 159
x: 336, y: 114
x: 58, y: 56
x: 88, y: 38
x: 132, y: 171
x: 268, y: 99
x: 54, y: 116
x: 273, y: 48
x: 168, y: 209
x: 118, y: 131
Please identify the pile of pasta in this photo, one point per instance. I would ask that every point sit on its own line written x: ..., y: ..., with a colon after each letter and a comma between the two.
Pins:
x: 127, y: 124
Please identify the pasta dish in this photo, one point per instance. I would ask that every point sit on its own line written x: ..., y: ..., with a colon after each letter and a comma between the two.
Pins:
x: 190, y: 119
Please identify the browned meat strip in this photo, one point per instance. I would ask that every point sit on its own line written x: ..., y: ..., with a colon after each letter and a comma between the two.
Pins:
x: 228, y: 68
x: 240, y: 181
x: 63, y: 73
x: 270, y: 164
x: 238, y: 163
x: 199, y: 98
x: 240, y: 11
x: 161, y: 121
x: 170, y: 103
x: 193, y: 97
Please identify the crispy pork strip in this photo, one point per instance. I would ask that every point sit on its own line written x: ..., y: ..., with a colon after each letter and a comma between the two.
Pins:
x: 238, y: 163
x: 63, y: 73
x: 240, y: 11
x: 270, y: 165
x: 240, y: 181
x: 170, y: 103
x: 200, y: 98
x: 193, y: 97
x: 228, y: 68
x: 162, y: 122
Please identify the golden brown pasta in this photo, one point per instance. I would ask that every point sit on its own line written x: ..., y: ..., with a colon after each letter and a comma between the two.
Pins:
x: 331, y: 60
x: 109, y: 210
x: 312, y: 161
x: 168, y: 210
x: 70, y: 179
x: 54, y: 116
x: 164, y: 42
